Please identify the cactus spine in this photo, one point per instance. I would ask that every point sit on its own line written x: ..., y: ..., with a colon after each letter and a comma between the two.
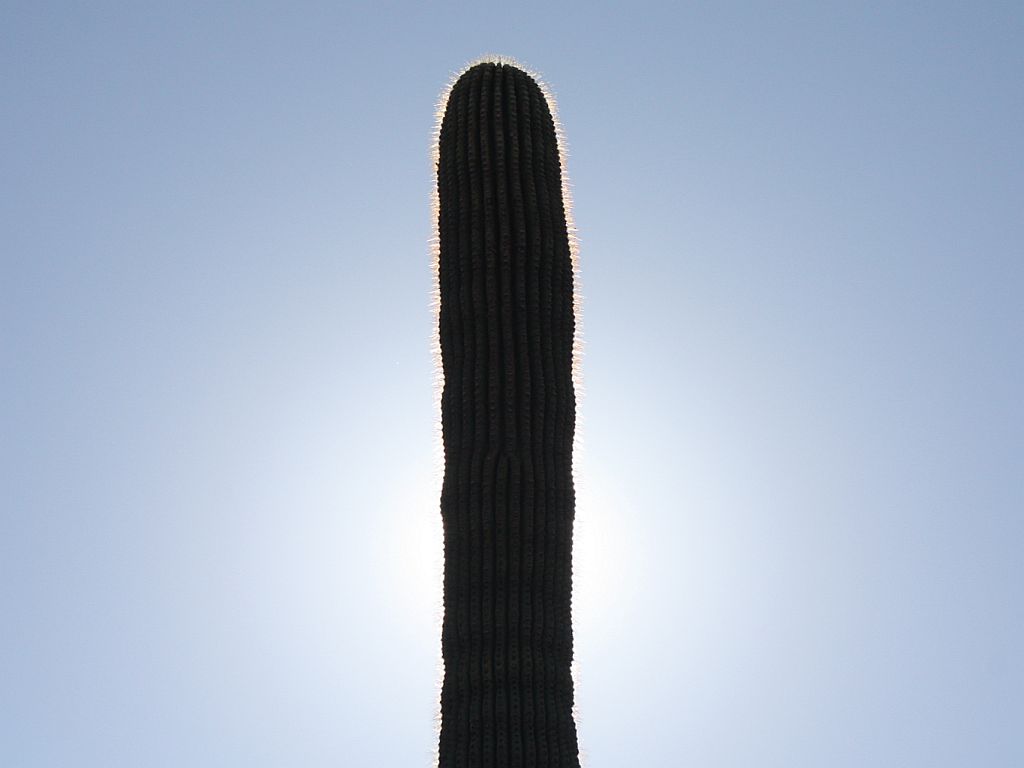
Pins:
x: 506, y: 333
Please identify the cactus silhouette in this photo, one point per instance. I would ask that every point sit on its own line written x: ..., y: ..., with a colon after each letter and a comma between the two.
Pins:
x: 506, y: 333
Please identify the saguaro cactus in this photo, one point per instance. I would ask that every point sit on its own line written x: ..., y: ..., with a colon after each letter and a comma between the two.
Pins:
x: 506, y: 333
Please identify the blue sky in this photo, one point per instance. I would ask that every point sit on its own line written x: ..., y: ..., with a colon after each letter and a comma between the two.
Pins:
x: 799, y: 520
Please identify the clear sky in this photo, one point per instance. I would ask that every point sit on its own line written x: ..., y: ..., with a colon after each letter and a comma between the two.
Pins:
x: 800, y: 516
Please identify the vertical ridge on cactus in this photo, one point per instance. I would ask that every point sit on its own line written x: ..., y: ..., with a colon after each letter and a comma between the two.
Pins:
x: 506, y: 334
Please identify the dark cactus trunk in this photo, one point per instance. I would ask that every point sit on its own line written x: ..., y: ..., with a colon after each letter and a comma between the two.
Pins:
x: 508, y: 417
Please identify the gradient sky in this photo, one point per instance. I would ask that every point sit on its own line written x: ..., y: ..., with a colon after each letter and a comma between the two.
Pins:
x: 800, y: 517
